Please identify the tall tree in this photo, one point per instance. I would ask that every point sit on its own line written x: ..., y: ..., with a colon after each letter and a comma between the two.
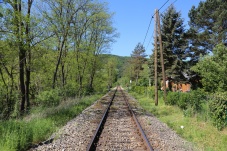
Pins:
x: 137, y: 59
x: 208, y: 27
x: 111, y: 67
x: 93, y: 37
x: 57, y: 40
x: 20, y: 28
x: 8, y: 72
x: 60, y: 17
x: 174, y: 43
x: 213, y: 70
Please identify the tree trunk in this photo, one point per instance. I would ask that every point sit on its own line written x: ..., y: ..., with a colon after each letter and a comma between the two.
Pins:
x: 137, y: 77
x: 18, y: 23
x: 61, y: 44
x: 27, y: 82
x: 91, y: 79
x: 63, y: 74
x: 21, y: 77
x: 28, y: 59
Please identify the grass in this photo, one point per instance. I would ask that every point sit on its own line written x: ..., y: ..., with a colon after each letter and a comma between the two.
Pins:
x: 197, y: 129
x: 19, y: 134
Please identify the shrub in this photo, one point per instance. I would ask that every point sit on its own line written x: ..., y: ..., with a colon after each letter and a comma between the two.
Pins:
x: 160, y: 94
x: 138, y: 89
x: 69, y: 90
x: 191, y: 102
x: 183, y: 100
x: 150, y: 91
x: 172, y: 98
x: 48, y: 98
x: 218, y: 109
x: 196, y: 99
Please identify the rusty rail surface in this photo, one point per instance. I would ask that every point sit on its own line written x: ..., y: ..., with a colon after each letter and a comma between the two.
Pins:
x: 143, y: 135
x: 95, y: 139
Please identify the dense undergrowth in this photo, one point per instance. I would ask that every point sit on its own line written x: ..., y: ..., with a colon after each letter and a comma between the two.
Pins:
x: 202, y: 117
x: 19, y: 134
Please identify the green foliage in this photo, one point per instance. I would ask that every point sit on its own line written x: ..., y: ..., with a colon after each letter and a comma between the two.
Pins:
x: 15, y: 135
x: 174, y: 43
x: 190, y: 102
x: 197, y: 131
x: 189, y: 112
x: 183, y: 101
x: 138, y: 89
x: 205, y: 23
x: 196, y: 98
x: 41, y: 129
x: 213, y: 70
x: 218, y: 108
x: 207, y: 29
x: 137, y: 60
x: 171, y: 98
x: 121, y: 62
x: 18, y: 135
x: 48, y: 98
x: 150, y: 91
x: 69, y: 90
x: 58, y: 55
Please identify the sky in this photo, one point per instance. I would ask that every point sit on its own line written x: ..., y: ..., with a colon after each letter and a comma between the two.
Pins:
x: 132, y: 17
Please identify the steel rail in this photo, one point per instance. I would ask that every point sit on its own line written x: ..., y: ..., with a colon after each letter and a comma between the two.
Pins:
x: 143, y: 135
x: 95, y: 138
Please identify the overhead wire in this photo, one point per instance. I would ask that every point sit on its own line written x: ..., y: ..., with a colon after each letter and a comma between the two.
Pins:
x: 162, y: 13
x: 153, y: 17
x: 150, y: 40
x: 151, y: 20
x: 168, y: 6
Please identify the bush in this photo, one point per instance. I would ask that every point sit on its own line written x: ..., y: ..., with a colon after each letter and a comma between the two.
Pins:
x: 138, y: 89
x: 191, y: 101
x: 151, y: 91
x: 48, y: 98
x: 218, y: 109
x: 183, y: 100
x: 196, y: 99
x: 69, y: 90
x: 171, y: 98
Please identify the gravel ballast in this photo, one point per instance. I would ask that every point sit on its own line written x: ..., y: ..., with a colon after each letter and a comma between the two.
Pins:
x: 77, y: 133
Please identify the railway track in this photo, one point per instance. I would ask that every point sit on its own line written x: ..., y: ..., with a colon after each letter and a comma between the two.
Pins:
x: 117, y: 131
x: 119, y: 128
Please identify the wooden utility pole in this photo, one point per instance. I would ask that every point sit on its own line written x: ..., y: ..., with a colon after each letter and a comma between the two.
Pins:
x: 155, y: 62
x: 161, y: 54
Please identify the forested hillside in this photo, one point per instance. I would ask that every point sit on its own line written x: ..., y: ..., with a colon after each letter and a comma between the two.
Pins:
x: 51, y: 48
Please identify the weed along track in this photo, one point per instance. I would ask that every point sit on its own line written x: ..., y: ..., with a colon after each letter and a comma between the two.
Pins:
x: 119, y: 129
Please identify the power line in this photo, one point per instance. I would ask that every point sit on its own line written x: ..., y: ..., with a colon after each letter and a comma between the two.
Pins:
x: 169, y: 6
x: 148, y: 29
x: 150, y: 40
x: 151, y: 20
x: 162, y: 6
